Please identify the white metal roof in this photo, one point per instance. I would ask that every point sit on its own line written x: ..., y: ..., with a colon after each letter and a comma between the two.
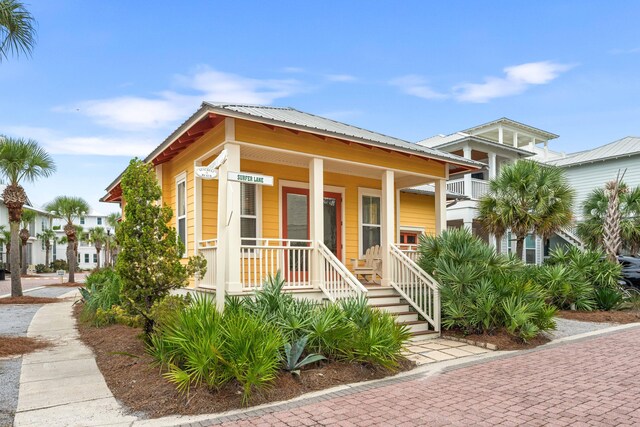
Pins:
x: 506, y: 121
x: 624, y: 147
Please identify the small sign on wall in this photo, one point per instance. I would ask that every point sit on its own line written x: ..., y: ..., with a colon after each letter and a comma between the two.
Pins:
x: 250, y: 178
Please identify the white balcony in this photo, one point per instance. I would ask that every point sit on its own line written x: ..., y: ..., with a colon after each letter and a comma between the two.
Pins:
x: 478, y: 187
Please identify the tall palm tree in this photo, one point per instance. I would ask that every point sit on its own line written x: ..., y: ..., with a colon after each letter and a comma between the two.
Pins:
x: 27, y: 217
x: 594, y: 211
x: 113, y: 221
x: 98, y: 237
x: 17, y: 29
x: 49, y: 237
x: 69, y: 209
x: 527, y: 197
x: 20, y: 160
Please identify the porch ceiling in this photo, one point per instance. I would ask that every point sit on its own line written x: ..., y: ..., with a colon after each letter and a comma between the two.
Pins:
x: 403, y: 179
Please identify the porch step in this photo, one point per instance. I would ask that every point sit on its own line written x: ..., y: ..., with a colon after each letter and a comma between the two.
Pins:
x: 393, y: 308
x: 377, y: 291
x: 416, y: 326
x: 383, y: 299
x: 406, y: 316
x: 424, y: 335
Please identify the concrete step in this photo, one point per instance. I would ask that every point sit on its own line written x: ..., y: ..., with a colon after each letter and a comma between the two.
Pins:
x: 383, y: 299
x: 423, y: 336
x: 416, y: 325
x: 393, y: 308
x: 406, y: 316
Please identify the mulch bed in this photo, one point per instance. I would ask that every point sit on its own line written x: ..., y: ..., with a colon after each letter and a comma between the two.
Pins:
x: 12, y: 346
x: 601, y: 316
x: 121, y: 357
x: 500, y: 338
x: 67, y: 285
x: 29, y: 300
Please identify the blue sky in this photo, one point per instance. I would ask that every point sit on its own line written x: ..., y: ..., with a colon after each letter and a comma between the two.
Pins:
x: 110, y: 80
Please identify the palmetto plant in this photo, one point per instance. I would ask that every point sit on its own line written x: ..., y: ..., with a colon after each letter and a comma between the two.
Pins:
x: 98, y: 237
x: 27, y: 217
x: 20, y: 161
x: 527, y: 197
x: 69, y: 209
x: 17, y: 29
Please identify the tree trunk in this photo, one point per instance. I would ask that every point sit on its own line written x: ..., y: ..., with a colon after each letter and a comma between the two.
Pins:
x: 499, y: 243
x: 520, y: 246
x: 16, y: 284
x: 46, y: 254
x: 8, y: 256
x: 71, y: 260
x: 25, y: 265
x: 98, y: 258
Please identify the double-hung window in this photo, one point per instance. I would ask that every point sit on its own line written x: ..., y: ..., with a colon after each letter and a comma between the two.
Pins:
x: 248, y: 214
x: 370, y: 222
x: 181, y: 210
x: 86, y: 258
x: 99, y: 220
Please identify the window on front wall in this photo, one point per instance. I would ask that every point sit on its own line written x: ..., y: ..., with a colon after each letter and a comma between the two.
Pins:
x: 530, y: 249
x: 99, y: 220
x: 81, y: 221
x: 86, y: 258
x: 181, y: 209
x: 370, y: 223
x: 248, y: 214
x: 95, y: 258
x: 409, y: 237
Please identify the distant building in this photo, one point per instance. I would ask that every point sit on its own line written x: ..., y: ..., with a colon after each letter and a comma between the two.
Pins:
x: 87, y: 254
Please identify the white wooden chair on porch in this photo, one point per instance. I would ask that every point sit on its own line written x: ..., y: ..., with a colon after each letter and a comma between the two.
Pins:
x: 372, y: 266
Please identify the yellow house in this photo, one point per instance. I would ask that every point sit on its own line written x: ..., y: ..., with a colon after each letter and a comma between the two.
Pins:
x: 259, y: 189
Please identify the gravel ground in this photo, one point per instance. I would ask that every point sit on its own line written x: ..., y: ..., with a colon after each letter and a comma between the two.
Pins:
x: 9, y: 383
x: 567, y: 328
x: 15, y: 320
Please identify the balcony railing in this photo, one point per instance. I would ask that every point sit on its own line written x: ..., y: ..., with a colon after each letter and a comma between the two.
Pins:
x: 478, y: 188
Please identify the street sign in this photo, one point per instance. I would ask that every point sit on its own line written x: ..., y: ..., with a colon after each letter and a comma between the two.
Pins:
x: 250, y: 178
x: 206, y: 172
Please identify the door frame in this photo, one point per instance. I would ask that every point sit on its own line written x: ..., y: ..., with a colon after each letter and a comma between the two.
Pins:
x: 326, y: 189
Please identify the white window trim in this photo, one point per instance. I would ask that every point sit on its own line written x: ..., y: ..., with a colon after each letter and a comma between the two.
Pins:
x: 182, y: 177
x: 366, y: 192
x: 328, y: 188
x: 411, y: 229
x: 258, y: 217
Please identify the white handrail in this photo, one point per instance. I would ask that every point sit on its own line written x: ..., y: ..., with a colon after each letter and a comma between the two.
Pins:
x: 336, y: 281
x: 268, y: 256
x: 409, y: 249
x: 417, y: 287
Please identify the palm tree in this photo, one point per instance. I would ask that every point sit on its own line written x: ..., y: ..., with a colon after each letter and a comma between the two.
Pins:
x: 17, y: 30
x: 20, y: 160
x: 27, y: 217
x: 49, y: 237
x: 527, y: 197
x: 69, y: 209
x: 594, y: 210
x: 98, y: 237
x: 113, y: 221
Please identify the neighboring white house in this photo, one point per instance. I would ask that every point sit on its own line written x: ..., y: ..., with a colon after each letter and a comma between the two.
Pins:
x: 87, y: 254
x: 495, y: 144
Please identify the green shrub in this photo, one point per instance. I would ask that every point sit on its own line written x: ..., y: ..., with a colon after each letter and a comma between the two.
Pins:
x: 482, y: 291
x: 59, y: 264
x: 607, y: 298
x: 165, y: 310
x: 115, y: 314
x: 41, y: 268
x: 293, y: 353
x: 102, y: 291
x: 566, y: 288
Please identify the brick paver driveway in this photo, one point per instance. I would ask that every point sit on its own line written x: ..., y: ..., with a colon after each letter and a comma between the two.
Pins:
x: 591, y: 382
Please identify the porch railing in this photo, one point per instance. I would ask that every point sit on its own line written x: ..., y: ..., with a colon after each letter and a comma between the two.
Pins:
x: 410, y: 250
x: 479, y: 187
x: 268, y: 256
x: 209, y: 249
x: 417, y: 287
x: 336, y: 281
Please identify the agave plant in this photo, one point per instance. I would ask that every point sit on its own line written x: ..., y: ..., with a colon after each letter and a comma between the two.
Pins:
x: 293, y: 352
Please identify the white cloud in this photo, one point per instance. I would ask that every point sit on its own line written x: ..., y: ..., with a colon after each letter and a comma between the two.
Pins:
x: 417, y: 86
x: 341, y: 78
x: 516, y: 80
x: 133, y: 113
x: 293, y: 70
x: 56, y: 143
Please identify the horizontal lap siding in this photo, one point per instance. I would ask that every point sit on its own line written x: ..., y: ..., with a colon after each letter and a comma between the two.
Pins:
x: 418, y: 210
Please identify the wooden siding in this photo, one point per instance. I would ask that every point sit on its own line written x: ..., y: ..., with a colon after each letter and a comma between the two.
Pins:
x: 418, y: 210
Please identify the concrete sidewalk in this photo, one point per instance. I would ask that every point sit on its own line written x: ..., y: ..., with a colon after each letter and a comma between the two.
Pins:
x: 62, y: 386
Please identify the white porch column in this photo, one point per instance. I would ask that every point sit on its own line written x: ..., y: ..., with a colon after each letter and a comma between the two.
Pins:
x: 546, y: 150
x: 532, y: 144
x: 466, y: 152
x: 388, y: 223
x: 316, y: 214
x: 515, y: 139
x: 468, y: 225
x: 233, y: 220
x: 492, y: 165
x: 441, y: 205
x: 500, y: 135
x: 222, y: 251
